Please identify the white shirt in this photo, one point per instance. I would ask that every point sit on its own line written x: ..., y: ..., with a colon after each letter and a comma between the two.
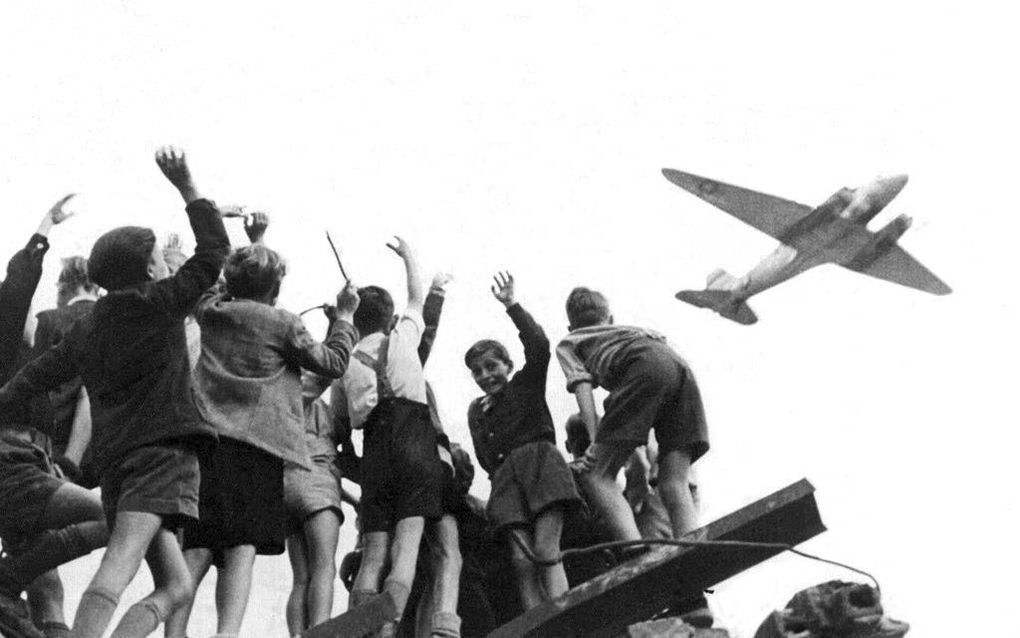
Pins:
x: 403, y: 368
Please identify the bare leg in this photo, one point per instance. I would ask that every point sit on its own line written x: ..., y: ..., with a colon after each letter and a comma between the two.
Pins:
x: 129, y: 540
x: 173, y: 588
x: 606, y: 495
x: 322, y: 531
x: 675, y: 490
x: 374, y: 563
x: 198, y: 560
x: 548, y: 528
x: 233, y: 585
x: 527, y: 576
x: 444, y: 550
x: 298, y: 556
x: 403, y: 560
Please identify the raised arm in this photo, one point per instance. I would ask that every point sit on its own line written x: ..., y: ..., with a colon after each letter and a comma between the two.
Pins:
x: 415, y: 288
x: 431, y: 313
x: 18, y: 288
x: 178, y: 294
x: 329, y: 358
x: 536, y: 345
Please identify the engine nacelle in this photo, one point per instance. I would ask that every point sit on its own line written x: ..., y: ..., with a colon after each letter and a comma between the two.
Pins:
x: 880, y: 243
x: 870, y: 199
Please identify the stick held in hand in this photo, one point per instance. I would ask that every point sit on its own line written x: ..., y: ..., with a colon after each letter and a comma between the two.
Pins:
x: 337, y: 255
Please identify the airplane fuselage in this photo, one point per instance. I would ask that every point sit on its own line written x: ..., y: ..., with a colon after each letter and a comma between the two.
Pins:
x: 821, y: 237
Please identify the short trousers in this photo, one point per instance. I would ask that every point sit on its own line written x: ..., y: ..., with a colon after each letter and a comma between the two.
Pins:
x: 655, y: 391
x: 159, y: 479
x: 533, y: 478
x: 308, y: 492
x: 27, y: 483
x: 401, y: 473
x: 241, y: 501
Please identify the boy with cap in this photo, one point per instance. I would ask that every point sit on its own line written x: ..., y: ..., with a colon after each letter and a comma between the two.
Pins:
x: 132, y: 357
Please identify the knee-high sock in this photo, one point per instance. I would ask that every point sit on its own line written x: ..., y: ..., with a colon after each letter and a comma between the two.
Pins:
x: 50, y: 549
x: 400, y: 593
x: 140, y: 620
x: 94, y: 613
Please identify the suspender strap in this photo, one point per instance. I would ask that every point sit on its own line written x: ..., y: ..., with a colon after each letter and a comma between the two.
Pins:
x: 382, y: 382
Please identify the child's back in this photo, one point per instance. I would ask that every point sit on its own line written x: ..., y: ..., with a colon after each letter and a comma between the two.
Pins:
x: 248, y: 376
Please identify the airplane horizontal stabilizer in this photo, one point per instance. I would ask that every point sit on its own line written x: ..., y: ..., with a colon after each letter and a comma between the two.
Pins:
x: 720, y: 301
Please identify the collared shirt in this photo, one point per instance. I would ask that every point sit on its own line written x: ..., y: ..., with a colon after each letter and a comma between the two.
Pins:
x: 593, y: 354
x: 403, y: 368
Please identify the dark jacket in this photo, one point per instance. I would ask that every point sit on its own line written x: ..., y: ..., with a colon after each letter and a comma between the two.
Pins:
x: 132, y: 355
x: 519, y: 413
x: 53, y: 325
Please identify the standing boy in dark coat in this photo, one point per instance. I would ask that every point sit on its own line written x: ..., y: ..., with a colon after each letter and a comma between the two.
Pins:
x: 132, y: 357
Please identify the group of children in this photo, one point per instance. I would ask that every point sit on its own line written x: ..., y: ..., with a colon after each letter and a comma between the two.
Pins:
x: 195, y: 404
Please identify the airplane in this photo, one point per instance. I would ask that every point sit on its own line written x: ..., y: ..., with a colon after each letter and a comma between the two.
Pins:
x: 834, y: 232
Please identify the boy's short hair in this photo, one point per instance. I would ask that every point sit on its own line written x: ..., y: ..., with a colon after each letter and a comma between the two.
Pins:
x: 375, y: 311
x: 254, y: 272
x: 120, y: 257
x: 74, y: 276
x: 486, y: 346
x: 587, y: 307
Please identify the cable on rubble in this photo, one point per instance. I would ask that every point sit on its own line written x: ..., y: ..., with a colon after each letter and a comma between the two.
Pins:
x: 737, y: 545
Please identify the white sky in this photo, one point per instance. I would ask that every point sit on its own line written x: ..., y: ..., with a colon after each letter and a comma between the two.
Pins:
x: 530, y: 138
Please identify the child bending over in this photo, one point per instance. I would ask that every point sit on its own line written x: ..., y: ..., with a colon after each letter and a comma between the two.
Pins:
x: 131, y: 355
x: 248, y: 387
x: 650, y: 389
x: 401, y: 473
x: 515, y: 442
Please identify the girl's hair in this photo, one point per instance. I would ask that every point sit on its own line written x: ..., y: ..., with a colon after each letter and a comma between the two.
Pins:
x: 487, y: 346
x: 254, y: 272
x: 587, y: 307
x: 74, y: 276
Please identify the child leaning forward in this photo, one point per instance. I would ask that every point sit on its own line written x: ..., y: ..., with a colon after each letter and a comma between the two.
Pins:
x: 650, y: 389
x: 515, y: 442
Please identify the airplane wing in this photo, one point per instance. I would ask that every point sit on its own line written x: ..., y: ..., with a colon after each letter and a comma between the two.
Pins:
x: 769, y: 214
x: 896, y: 265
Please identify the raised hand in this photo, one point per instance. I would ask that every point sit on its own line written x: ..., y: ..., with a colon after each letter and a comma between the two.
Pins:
x: 58, y: 213
x: 173, y: 253
x: 440, y: 281
x: 255, y: 226
x: 172, y: 161
x: 401, y: 247
x: 347, y: 301
x: 503, y: 290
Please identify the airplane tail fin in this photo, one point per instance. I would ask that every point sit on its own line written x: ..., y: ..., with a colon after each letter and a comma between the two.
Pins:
x: 720, y: 280
x: 720, y: 301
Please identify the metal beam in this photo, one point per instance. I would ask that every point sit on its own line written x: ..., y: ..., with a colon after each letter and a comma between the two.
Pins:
x: 363, y: 620
x: 606, y: 605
